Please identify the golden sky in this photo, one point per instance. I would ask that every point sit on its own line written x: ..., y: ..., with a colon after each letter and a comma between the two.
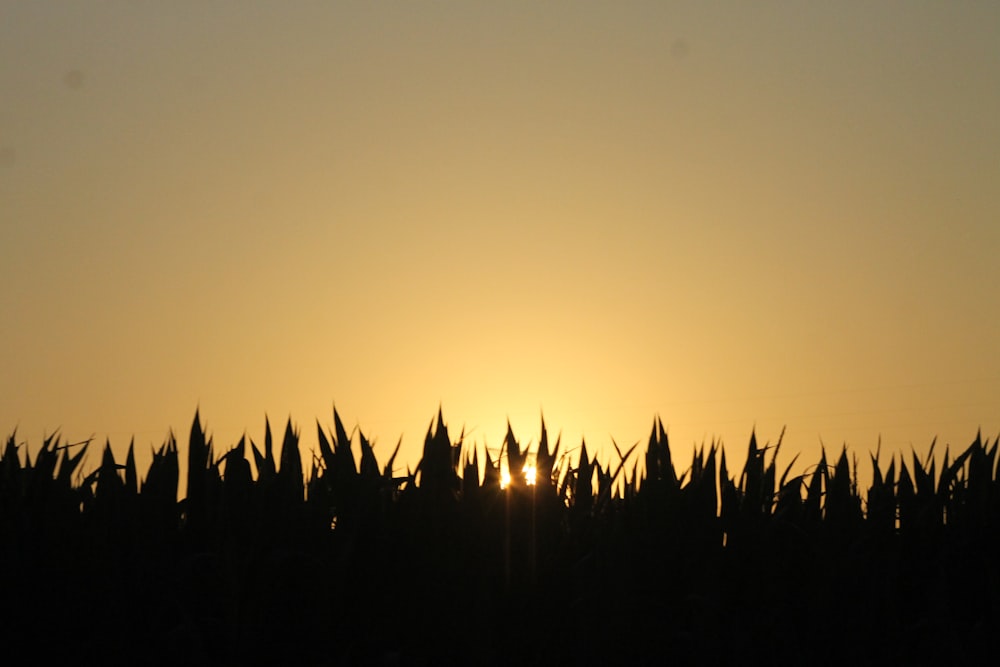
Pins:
x: 730, y: 214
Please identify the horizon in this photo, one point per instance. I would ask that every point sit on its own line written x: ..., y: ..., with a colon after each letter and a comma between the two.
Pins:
x: 566, y: 455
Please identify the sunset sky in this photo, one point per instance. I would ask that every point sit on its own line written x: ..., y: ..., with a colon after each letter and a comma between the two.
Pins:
x: 728, y: 214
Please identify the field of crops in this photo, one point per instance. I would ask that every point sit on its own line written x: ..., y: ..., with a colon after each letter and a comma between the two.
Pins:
x: 560, y: 561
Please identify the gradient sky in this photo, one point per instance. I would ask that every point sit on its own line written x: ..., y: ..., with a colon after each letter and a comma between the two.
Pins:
x: 729, y: 214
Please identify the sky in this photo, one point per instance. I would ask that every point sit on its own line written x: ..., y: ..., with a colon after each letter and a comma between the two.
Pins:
x: 735, y: 215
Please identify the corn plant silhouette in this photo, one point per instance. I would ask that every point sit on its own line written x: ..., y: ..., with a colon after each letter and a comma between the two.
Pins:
x: 571, y: 560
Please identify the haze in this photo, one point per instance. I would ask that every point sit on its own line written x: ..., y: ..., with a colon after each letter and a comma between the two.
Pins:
x: 740, y: 215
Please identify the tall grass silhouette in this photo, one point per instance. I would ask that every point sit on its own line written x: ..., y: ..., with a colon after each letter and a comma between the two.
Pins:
x: 568, y: 560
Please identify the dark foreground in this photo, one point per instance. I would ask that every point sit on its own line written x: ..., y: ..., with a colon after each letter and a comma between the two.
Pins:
x: 350, y: 564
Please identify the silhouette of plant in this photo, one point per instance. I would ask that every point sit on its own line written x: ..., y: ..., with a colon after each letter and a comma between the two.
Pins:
x: 351, y: 562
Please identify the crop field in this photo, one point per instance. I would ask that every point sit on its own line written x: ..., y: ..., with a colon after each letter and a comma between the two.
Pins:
x: 522, y: 557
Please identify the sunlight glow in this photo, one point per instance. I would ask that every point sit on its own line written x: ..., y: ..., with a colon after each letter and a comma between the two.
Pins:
x: 569, y: 182
x: 504, y: 479
x: 529, y: 474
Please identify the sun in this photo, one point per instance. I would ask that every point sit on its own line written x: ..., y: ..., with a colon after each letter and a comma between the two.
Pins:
x: 529, y: 474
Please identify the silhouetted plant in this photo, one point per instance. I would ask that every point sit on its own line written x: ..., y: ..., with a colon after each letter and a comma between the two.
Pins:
x: 351, y: 559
